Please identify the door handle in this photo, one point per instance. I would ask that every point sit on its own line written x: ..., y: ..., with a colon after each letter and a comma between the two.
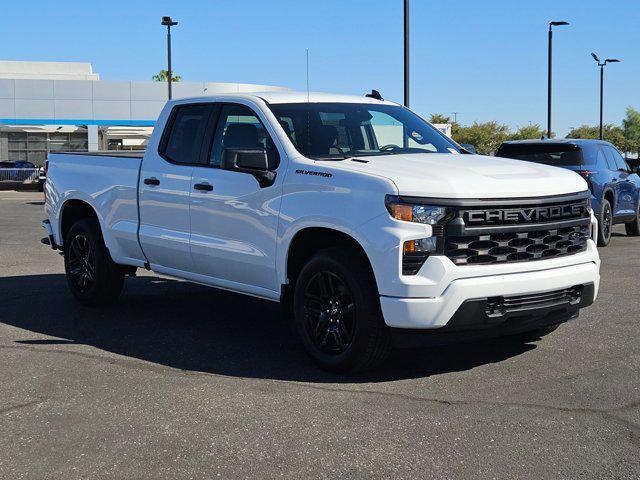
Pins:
x: 206, y: 187
x: 151, y: 181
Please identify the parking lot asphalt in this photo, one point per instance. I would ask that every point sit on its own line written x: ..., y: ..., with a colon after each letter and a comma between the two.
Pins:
x: 182, y: 381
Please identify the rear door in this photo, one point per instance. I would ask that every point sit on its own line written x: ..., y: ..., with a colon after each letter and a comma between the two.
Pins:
x: 165, y: 185
x: 618, y: 178
x: 233, y: 219
x: 628, y: 191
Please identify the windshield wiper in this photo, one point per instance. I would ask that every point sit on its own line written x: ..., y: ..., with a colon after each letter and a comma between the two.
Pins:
x: 332, y: 158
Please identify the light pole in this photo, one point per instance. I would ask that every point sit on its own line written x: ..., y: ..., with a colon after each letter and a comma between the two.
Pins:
x: 166, y: 21
x: 551, y: 25
x: 601, y: 65
x: 455, y: 117
x: 406, y: 53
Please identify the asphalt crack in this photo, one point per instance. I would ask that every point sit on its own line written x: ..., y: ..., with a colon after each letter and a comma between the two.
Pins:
x: 21, y: 406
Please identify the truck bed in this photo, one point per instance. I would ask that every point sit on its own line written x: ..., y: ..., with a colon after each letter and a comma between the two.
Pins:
x: 109, y: 182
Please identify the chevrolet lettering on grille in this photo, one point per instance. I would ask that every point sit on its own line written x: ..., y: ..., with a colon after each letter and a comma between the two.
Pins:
x: 524, y: 215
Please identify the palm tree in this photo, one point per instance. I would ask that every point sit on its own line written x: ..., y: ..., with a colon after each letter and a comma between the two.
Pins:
x: 163, y: 75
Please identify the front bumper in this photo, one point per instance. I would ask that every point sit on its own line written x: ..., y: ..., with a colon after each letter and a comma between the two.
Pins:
x: 436, y: 312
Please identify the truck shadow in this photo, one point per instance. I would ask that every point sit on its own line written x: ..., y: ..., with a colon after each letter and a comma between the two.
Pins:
x: 199, y: 329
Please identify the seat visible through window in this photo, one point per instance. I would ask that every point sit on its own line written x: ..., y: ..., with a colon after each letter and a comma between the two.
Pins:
x: 239, y: 127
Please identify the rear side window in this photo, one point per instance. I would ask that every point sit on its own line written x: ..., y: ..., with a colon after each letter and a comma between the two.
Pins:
x: 184, y: 139
x: 620, y: 163
x: 558, y: 155
x: 611, y: 161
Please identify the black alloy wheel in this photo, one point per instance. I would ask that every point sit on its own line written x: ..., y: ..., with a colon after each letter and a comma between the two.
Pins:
x: 337, y: 311
x: 329, y: 313
x: 81, y: 263
x: 93, y: 277
x: 606, y: 224
x: 633, y: 228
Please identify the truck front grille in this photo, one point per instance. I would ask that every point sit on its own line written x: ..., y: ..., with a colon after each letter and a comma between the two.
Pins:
x: 502, y: 247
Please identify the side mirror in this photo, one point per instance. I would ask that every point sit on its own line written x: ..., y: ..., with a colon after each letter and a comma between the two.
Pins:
x: 469, y: 148
x: 253, y: 161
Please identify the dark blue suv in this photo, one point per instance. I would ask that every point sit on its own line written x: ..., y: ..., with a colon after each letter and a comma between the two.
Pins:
x: 614, y: 185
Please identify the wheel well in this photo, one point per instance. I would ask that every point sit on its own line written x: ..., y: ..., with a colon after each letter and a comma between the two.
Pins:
x: 608, y: 195
x: 72, y: 211
x: 311, y: 240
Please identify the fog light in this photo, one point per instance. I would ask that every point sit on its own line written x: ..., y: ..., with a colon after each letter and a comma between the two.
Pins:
x: 424, y: 245
x: 415, y: 253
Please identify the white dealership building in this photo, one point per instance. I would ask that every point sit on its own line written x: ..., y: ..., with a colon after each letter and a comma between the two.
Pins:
x: 60, y: 106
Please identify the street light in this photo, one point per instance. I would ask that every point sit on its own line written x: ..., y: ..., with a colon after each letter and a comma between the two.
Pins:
x: 406, y: 53
x: 166, y: 21
x: 551, y: 25
x: 601, y: 65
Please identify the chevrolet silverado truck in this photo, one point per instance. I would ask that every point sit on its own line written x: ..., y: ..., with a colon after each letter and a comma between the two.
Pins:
x: 357, y: 215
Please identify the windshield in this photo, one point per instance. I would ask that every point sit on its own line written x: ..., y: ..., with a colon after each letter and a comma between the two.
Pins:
x: 334, y: 131
x: 559, y: 155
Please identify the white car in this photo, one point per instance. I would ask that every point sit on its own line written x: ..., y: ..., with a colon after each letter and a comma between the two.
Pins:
x: 353, y: 211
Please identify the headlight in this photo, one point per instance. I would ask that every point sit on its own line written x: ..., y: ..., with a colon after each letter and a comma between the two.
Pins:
x: 429, y: 214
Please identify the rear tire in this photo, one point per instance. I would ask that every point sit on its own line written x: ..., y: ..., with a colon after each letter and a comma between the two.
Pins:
x: 337, y: 312
x: 605, y: 223
x: 633, y: 228
x: 94, y: 279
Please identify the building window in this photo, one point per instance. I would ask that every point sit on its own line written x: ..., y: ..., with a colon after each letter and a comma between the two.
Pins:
x: 34, y: 146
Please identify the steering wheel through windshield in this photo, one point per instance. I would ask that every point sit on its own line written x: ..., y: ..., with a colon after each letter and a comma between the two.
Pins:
x: 390, y: 147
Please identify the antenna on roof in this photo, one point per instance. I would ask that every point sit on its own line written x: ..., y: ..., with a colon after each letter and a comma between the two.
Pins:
x: 375, y: 94
x: 307, y: 75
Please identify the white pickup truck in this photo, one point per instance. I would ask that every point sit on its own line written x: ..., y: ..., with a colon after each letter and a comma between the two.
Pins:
x: 356, y: 214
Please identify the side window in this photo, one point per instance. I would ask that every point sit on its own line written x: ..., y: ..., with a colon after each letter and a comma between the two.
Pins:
x: 601, y: 161
x: 239, y: 127
x: 611, y: 162
x: 184, y: 139
x: 620, y: 163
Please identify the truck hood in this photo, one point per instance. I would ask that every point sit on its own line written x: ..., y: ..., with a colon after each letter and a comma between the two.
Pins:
x: 445, y: 175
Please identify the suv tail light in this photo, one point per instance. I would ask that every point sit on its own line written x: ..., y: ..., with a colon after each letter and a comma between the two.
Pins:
x: 586, y: 174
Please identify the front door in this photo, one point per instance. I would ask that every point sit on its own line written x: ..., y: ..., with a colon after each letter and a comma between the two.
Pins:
x: 233, y: 219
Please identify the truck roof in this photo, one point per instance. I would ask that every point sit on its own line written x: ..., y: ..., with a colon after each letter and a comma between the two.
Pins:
x: 290, y: 96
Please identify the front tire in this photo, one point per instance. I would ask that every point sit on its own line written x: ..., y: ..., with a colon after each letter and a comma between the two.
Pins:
x: 93, y: 278
x: 605, y: 224
x: 633, y: 228
x: 337, y: 312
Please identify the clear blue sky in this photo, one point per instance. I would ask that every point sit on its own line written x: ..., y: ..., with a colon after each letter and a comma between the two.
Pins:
x: 485, y: 59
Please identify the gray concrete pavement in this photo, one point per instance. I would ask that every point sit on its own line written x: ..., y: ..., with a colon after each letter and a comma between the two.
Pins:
x: 182, y: 381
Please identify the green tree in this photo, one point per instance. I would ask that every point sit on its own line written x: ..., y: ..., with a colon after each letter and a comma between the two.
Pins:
x: 163, y: 76
x: 611, y: 133
x: 439, y: 118
x: 486, y: 137
x: 631, y: 128
x: 534, y: 131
